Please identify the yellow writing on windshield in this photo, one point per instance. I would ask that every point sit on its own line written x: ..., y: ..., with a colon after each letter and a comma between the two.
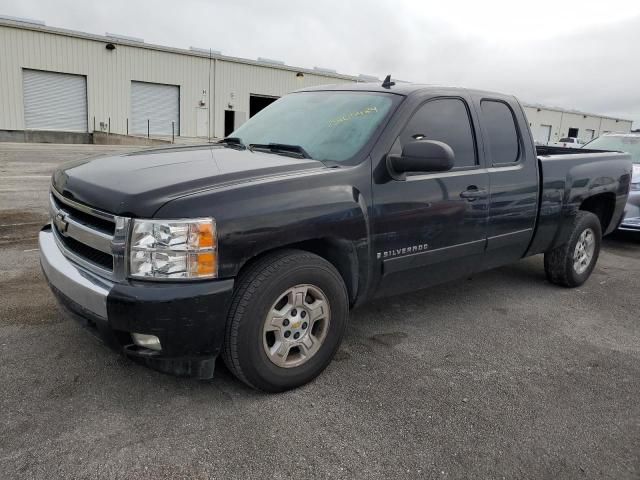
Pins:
x: 351, y: 115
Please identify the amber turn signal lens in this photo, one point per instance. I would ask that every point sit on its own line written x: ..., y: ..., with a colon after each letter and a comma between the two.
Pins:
x: 206, y: 235
x: 207, y: 264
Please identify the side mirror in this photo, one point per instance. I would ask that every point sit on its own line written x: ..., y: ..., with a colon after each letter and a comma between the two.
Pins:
x: 421, y: 156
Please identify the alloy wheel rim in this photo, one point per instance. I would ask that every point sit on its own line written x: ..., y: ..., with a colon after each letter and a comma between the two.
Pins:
x: 296, y: 326
x: 583, y: 253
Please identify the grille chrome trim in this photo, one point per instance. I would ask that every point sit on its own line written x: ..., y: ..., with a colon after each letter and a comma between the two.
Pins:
x: 65, y: 224
x: 83, y: 208
x: 79, y: 231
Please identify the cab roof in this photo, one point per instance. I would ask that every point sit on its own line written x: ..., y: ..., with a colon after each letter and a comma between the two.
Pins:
x: 400, y: 88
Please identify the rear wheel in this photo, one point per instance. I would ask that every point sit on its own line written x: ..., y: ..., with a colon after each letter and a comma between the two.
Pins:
x: 286, y: 321
x: 571, y: 264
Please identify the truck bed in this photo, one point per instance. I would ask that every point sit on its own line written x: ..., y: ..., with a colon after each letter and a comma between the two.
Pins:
x: 546, y: 150
x: 568, y: 176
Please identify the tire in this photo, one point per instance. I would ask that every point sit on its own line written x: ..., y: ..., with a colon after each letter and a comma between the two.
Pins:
x: 296, y: 278
x: 560, y: 263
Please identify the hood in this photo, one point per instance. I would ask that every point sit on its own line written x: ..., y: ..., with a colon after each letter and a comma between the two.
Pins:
x: 137, y: 184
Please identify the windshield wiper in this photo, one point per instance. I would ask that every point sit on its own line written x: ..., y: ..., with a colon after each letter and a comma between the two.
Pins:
x: 233, y: 142
x: 280, y: 148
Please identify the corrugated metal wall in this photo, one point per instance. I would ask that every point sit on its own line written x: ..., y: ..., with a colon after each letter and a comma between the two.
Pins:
x: 109, y: 75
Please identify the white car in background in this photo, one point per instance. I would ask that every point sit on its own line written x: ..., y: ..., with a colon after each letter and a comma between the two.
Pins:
x: 629, y: 143
x: 568, y: 142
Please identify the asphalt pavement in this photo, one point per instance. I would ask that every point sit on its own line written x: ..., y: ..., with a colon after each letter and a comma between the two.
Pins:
x: 500, y: 376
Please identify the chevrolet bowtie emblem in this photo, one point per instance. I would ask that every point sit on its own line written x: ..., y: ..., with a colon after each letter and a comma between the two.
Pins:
x: 61, y: 223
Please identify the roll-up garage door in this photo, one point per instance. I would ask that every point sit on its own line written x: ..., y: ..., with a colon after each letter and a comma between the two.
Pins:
x: 54, y: 101
x: 544, y: 134
x: 156, y: 103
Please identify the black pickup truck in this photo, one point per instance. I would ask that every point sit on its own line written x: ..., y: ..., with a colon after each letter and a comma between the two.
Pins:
x: 256, y: 248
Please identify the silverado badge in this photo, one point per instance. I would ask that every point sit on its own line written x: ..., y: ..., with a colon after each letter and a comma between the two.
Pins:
x: 403, y: 251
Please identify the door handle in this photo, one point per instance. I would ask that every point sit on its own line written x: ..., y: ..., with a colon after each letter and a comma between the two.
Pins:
x: 473, y: 193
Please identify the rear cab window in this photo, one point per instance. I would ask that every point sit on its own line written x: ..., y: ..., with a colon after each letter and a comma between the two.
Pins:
x: 502, y: 134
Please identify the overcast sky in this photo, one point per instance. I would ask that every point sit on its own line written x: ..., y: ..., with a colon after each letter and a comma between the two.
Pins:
x: 580, y: 55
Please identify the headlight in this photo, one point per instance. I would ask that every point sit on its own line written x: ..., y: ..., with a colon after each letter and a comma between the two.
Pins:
x: 173, y: 249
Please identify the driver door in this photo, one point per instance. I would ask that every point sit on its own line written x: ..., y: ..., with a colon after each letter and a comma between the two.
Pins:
x: 432, y: 227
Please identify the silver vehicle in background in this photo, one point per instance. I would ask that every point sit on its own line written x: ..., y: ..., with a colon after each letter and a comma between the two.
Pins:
x: 629, y: 143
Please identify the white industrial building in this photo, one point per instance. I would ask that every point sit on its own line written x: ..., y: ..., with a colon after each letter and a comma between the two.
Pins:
x: 550, y: 124
x: 61, y: 80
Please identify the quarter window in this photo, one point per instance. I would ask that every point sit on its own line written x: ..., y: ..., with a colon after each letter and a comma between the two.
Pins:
x: 445, y: 120
x: 502, y: 134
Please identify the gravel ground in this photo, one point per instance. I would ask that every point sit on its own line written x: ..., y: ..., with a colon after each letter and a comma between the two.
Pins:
x: 501, y: 376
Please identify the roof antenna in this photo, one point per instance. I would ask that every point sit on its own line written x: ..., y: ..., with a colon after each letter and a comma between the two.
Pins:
x: 387, y: 82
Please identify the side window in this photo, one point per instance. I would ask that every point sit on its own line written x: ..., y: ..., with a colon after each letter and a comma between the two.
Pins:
x: 501, y: 131
x: 446, y: 120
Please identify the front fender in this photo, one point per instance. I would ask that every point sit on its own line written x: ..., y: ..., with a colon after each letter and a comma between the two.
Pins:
x: 257, y: 217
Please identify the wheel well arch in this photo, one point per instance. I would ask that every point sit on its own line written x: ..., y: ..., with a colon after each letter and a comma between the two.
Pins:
x: 338, y: 252
x: 603, y: 206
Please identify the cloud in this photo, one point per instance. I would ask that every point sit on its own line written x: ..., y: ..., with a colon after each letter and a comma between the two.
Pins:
x: 585, y: 59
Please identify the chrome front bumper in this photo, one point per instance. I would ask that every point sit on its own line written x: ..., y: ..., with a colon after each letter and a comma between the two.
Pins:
x: 85, y: 288
x: 631, y: 220
x: 189, y: 319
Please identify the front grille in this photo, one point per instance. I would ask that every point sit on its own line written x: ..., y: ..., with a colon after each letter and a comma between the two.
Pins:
x: 97, y: 257
x: 87, y: 236
x: 101, y: 224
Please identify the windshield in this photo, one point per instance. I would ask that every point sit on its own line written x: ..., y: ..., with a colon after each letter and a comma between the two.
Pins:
x: 630, y: 145
x: 327, y: 125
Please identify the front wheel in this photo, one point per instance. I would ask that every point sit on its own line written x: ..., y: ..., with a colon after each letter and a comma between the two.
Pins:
x: 571, y: 264
x: 286, y: 321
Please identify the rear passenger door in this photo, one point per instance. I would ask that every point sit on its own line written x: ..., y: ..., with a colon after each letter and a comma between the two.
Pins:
x: 513, y: 177
x: 431, y: 227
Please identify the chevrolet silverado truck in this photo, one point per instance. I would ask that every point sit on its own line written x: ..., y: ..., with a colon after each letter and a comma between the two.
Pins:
x: 256, y: 248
